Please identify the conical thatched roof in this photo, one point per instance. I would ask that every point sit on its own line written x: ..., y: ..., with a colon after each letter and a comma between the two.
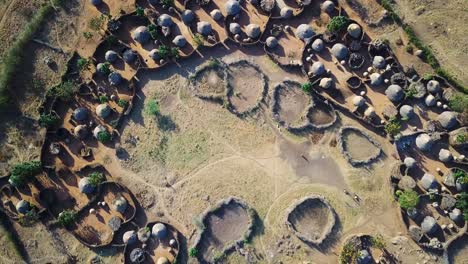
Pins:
x: 328, y: 6
x: 23, y: 207
x: 445, y: 155
x: 428, y: 181
x: 188, y: 16
x: 430, y: 100
x: 267, y: 5
x: 111, y: 56
x: 179, y: 41
x: 326, y: 83
x: 234, y: 28
x: 406, y: 112
x: 271, y: 42
x: 286, y: 12
x: 429, y: 225
x: 232, y: 7
x: 394, y: 93
x: 85, y: 185
x: 154, y: 54
x: 364, y: 257
x: 433, y: 86
x: 370, y: 112
x: 80, y: 131
x: 253, y: 31
x: 216, y: 14
x: 339, y: 51
x: 165, y: 20
x: 204, y: 28
x: 354, y: 30
x: 115, y: 78
x: 375, y: 79
x: 103, y: 110
x: 317, y: 68
x: 114, y: 223
x: 456, y: 215
x: 129, y: 56
x: 304, y: 32
x: 378, y: 62
x: 358, y: 100
x: 424, y: 142
x: 409, y: 162
x: 318, y: 45
x: 141, y: 34
x: 120, y: 204
x: 448, y: 119
x: 159, y: 230
x: 129, y: 237
x: 80, y: 114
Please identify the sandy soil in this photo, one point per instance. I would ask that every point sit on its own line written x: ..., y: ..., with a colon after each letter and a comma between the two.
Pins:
x: 359, y: 146
x: 293, y: 104
x: 247, y: 87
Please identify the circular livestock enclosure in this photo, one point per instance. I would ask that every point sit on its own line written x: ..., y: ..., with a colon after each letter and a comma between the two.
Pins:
x: 210, y: 81
x: 358, y: 147
x: 223, y: 227
x: 298, y: 111
x: 247, y: 87
x: 311, y: 219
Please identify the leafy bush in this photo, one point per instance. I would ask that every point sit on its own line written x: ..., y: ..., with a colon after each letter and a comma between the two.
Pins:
x: 168, y: 52
x: 199, y: 39
x: 96, y: 178
x: 378, y: 242
x: 153, y: 31
x: 140, y: 11
x: 152, y: 108
x: 64, y: 91
x: 106, y: 68
x: 103, y: 99
x: 82, y: 64
x: 24, y: 171
x: 459, y: 102
x: 67, y: 218
x: 460, y: 176
x: 193, y: 252
x: 337, y: 24
x: 408, y: 199
x: 122, y: 103
x: 410, y: 92
x: 393, y: 127
x: 388, y: 6
x: 306, y: 87
x: 49, y: 120
x: 349, y: 254
x: 462, y: 204
x: 104, y: 136
x: 461, y: 138
x: 87, y: 35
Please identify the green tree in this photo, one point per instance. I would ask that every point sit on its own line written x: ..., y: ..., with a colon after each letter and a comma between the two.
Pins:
x: 459, y: 102
x: 104, y: 136
x: 49, y: 120
x: 67, y: 218
x: 153, y: 30
x: 193, y: 252
x: 152, y: 108
x: 199, y: 39
x: 96, y: 178
x: 408, y: 199
x: 122, y: 103
x: 64, y: 91
x: 24, y: 171
x: 87, y: 35
x: 306, y: 87
x: 140, y: 11
x: 462, y: 204
x: 337, y: 24
x: 393, y: 127
x: 82, y: 64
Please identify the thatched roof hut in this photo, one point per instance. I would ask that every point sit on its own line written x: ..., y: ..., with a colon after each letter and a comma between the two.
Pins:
x: 318, y: 45
x: 304, y: 32
x: 410, y: 162
x: 430, y: 100
x: 433, y: 86
x: 328, y: 6
x: 253, y: 31
x: 204, y: 28
x: 129, y: 237
x: 428, y: 181
x: 188, y: 16
x: 375, y: 79
x: 111, y: 56
x: 137, y: 255
x: 179, y: 41
x: 445, y: 155
x: 165, y: 20
x: 317, y: 68
x: 115, y: 78
x: 23, y: 207
x: 429, y: 225
x: 339, y: 51
x: 80, y: 114
x: 141, y: 34
x: 394, y: 93
x: 216, y: 14
x: 447, y: 119
x: 378, y: 62
x: 354, y: 30
x: 358, y: 101
x: 406, y: 112
x: 424, y: 142
x: 129, y: 56
x: 232, y: 7
x: 103, y: 110
x: 286, y: 12
x: 85, y: 185
x: 271, y: 42
x: 159, y: 230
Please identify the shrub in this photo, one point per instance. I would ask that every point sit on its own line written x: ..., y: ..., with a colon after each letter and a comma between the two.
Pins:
x: 213, y: 62
x: 168, y: 52
x: 337, y: 24
x: 122, y: 103
x: 96, y: 178
x: 393, y: 127
x: 106, y: 68
x: 199, y: 39
x: 462, y: 204
x: 82, y: 64
x: 104, y: 136
x: 349, y: 254
x: 24, y: 171
x: 140, y: 11
x: 461, y: 138
x: 152, y: 108
x: 64, y: 91
x: 398, y: 193
x: 67, y: 218
x: 193, y: 252
x: 458, y: 102
x: 408, y: 199
x: 428, y: 77
x: 306, y: 87
x: 378, y: 241
x: 388, y: 6
x: 49, y: 120
x: 103, y: 99
x: 410, y: 92
x: 153, y: 31
x: 87, y: 35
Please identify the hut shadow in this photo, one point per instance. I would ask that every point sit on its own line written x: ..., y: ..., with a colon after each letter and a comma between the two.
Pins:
x: 103, y: 8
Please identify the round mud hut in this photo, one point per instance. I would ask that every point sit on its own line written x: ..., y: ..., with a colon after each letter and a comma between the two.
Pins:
x: 232, y: 7
x: 115, y: 78
x: 129, y: 56
x: 179, y: 41
x: 85, y: 186
x: 23, y: 207
x: 103, y: 110
x: 424, y: 142
x: 394, y: 93
x: 234, y: 28
x: 326, y: 83
x: 354, y: 30
x: 430, y: 100
x: 141, y: 34
x: 339, y: 51
x: 433, y: 87
x: 111, y: 56
x: 304, y: 32
x: 154, y: 54
x: 120, y: 204
x: 188, y: 16
x: 80, y: 131
x: 410, y: 162
x: 378, y: 62
x: 406, y: 112
x: 429, y: 225
x: 204, y: 28
x: 80, y: 114
x: 216, y: 14
x: 286, y: 12
x: 129, y: 237
x: 165, y: 20
x: 428, y: 181
x: 271, y: 42
x: 447, y: 119
x: 159, y: 230
x: 317, y: 68
x: 445, y: 155
x: 318, y: 45
x: 328, y: 6
x: 375, y: 79
x: 253, y: 31
x: 359, y: 101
